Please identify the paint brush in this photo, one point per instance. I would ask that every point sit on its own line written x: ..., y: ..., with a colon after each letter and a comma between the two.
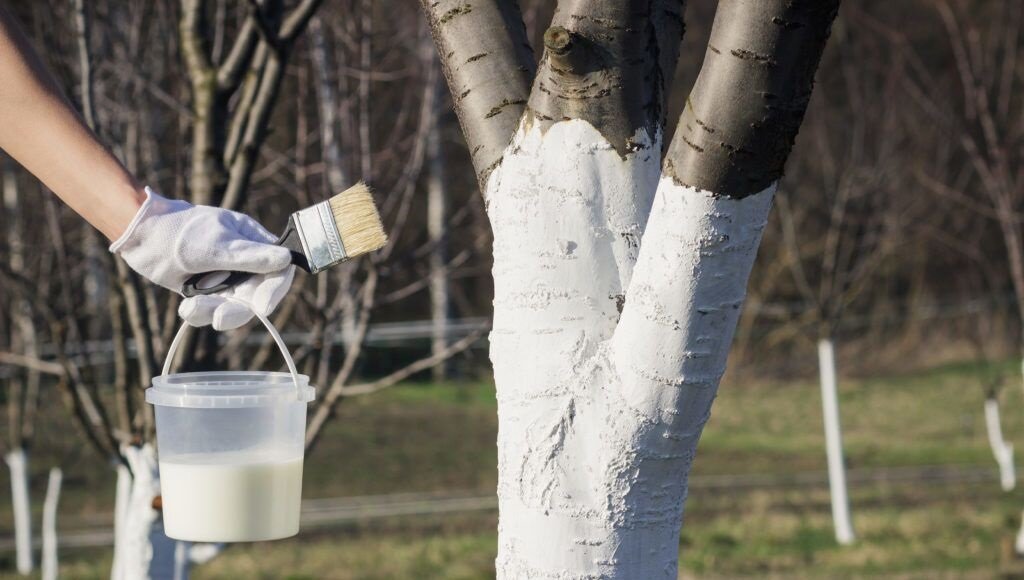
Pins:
x: 328, y: 233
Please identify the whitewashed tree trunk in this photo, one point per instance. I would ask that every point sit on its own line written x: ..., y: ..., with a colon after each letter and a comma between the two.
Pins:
x: 599, y: 419
x: 50, y: 562
x: 142, y: 551
x: 1002, y: 450
x: 606, y: 373
x: 17, y: 463
x: 834, y: 444
x: 122, y: 492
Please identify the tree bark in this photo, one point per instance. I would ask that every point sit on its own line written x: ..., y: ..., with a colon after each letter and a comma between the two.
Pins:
x: 49, y: 559
x: 437, y: 238
x: 489, y: 66
x: 144, y: 551
x: 17, y: 463
x: 1002, y: 450
x: 841, y: 521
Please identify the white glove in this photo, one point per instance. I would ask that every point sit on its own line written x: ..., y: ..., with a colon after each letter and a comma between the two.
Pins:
x: 169, y: 241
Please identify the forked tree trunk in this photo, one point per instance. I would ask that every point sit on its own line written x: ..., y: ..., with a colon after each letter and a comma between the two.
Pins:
x: 17, y: 464
x: 49, y: 559
x: 841, y: 522
x: 607, y: 354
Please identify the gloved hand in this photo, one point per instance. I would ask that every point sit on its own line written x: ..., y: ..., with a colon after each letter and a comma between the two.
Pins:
x: 171, y: 240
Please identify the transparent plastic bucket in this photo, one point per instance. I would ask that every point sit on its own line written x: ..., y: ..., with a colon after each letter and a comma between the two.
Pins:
x: 230, y: 450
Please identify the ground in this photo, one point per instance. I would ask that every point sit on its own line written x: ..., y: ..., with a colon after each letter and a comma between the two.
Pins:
x: 758, y: 507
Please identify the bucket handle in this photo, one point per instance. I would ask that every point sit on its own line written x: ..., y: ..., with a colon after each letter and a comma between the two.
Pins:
x: 172, y: 350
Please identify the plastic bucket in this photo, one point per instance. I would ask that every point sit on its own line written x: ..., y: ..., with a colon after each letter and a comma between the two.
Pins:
x: 230, y: 450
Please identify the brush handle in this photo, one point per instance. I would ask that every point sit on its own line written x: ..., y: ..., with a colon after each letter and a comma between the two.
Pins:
x: 194, y: 285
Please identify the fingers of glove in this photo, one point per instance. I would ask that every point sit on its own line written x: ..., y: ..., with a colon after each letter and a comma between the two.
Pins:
x: 256, y: 257
x: 262, y: 293
x: 230, y: 316
x: 198, y: 310
x: 252, y: 229
x: 270, y: 289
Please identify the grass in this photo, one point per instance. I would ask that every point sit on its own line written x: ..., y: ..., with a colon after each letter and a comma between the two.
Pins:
x: 420, y: 437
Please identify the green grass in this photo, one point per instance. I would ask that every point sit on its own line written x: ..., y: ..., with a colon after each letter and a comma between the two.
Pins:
x: 422, y: 437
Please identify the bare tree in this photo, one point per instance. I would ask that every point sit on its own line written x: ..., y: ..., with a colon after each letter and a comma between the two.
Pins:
x: 22, y: 387
x: 984, y: 41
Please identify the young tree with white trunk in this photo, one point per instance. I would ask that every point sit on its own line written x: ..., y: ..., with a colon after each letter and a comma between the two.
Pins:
x: 982, y: 116
x: 22, y: 384
x: 619, y: 271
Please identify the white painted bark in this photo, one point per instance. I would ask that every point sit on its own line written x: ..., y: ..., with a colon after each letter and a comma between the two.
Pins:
x: 1019, y: 544
x: 122, y: 492
x: 203, y: 553
x: 599, y: 419
x: 142, y: 551
x: 1001, y: 449
x: 49, y: 559
x: 17, y: 463
x: 834, y: 444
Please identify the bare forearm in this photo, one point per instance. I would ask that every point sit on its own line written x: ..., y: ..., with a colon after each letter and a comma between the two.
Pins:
x: 40, y: 129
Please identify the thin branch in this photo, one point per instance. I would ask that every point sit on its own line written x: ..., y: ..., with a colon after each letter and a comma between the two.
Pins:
x: 413, y: 368
x: 33, y: 363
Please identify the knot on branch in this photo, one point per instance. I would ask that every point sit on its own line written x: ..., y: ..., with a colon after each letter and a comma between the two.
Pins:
x: 569, y: 52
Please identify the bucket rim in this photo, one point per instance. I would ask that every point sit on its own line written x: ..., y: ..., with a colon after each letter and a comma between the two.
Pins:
x: 229, y: 389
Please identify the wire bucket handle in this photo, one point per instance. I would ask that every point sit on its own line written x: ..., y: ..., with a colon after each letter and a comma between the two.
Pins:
x: 270, y: 328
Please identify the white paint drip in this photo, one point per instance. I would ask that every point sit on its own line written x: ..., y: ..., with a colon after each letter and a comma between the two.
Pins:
x: 1001, y: 449
x: 834, y: 444
x: 17, y: 463
x: 599, y: 419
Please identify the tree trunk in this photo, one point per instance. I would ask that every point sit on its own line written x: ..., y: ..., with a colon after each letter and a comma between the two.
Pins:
x: 122, y: 492
x: 17, y: 462
x: 1001, y: 449
x: 437, y: 238
x: 606, y: 372
x: 142, y: 550
x: 49, y: 558
x: 834, y: 443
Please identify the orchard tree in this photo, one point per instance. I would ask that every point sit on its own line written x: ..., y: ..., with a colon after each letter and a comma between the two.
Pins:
x: 620, y: 267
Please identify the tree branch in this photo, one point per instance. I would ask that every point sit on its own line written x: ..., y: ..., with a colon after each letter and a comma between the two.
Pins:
x: 489, y: 66
x: 607, y: 62
x: 746, y: 107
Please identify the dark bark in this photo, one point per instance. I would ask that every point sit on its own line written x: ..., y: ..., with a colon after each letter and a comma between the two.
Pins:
x: 743, y: 114
x: 489, y: 66
x: 607, y: 62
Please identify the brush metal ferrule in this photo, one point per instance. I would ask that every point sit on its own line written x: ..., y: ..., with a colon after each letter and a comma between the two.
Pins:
x: 321, y: 241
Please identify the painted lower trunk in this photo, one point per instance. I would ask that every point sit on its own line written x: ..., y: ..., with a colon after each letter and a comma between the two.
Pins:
x: 834, y: 444
x: 142, y: 550
x: 17, y: 463
x: 599, y: 418
x: 1001, y: 449
x: 49, y: 559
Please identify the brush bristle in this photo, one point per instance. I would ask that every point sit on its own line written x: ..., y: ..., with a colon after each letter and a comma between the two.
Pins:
x: 357, y: 220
